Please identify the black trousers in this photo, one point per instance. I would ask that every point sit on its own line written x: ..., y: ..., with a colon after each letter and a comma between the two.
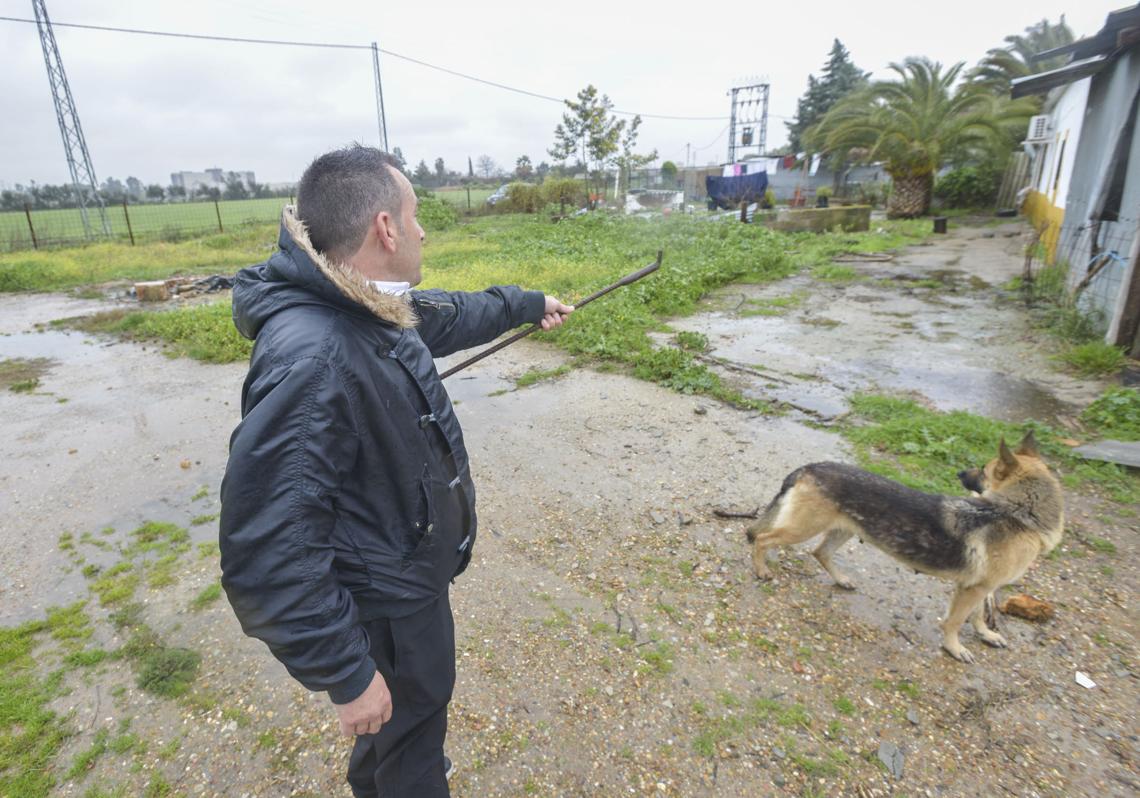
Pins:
x: 416, y: 657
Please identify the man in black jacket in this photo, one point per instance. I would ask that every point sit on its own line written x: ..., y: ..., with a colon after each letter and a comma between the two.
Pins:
x: 347, y: 504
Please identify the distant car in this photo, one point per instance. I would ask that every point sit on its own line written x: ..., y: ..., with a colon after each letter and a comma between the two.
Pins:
x: 499, y: 194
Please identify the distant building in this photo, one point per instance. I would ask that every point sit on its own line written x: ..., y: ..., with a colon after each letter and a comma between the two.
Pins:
x: 211, y: 178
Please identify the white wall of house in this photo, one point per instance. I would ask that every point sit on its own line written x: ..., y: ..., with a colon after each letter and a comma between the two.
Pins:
x: 1054, y: 166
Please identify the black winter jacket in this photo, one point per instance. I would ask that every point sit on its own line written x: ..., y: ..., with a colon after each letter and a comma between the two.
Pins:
x: 347, y: 495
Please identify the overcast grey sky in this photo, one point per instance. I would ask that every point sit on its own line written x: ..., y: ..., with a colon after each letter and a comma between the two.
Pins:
x: 150, y: 106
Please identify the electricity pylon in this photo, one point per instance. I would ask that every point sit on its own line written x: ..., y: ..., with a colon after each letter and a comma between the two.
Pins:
x: 74, y: 145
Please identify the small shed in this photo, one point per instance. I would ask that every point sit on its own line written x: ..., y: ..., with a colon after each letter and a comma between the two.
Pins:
x: 1099, y: 233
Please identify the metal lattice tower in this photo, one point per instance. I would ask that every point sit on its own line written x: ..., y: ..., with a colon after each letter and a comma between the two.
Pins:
x: 74, y: 145
x: 749, y: 110
x: 381, y: 120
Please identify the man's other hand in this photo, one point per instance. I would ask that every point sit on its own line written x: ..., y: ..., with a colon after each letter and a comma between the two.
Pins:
x: 556, y: 313
x: 366, y: 713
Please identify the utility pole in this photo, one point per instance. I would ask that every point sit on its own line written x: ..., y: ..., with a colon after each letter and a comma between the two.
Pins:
x: 749, y: 110
x: 380, y: 118
x: 74, y: 145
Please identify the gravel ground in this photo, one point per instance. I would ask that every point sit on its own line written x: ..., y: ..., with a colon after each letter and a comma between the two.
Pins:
x: 612, y: 640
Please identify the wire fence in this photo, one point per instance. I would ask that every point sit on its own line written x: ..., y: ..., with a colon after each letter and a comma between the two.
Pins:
x: 132, y: 223
x: 1097, y: 257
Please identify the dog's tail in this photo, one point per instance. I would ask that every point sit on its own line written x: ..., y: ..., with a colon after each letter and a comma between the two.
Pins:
x: 768, y: 517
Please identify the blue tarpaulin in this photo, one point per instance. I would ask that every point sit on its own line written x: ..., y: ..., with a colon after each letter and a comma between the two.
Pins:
x: 729, y: 192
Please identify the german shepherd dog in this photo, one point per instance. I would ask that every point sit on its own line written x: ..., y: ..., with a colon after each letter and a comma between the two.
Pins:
x: 979, y: 543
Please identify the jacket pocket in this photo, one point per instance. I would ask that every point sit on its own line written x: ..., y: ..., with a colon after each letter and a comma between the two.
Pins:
x: 437, y: 554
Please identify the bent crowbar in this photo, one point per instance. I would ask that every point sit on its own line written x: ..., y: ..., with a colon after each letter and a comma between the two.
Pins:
x: 629, y: 278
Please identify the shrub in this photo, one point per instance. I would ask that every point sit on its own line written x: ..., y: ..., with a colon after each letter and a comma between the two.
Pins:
x: 968, y: 187
x: 563, y: 191
x: 1116, y: 414
x: 524, y: 198
x: 435, y: 214
x: 1094, y: 359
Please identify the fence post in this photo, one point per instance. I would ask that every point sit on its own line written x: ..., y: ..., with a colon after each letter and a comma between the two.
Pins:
x: 32, y: 230
x: 469, y: 199
x: 219, y: 213
x: 127, y: 216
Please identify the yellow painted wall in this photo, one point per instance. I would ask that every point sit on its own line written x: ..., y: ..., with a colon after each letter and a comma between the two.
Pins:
x: 1044, y: 214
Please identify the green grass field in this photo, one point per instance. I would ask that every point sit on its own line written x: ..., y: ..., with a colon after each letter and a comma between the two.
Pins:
x: 169, y: 221
x: 458, y: 197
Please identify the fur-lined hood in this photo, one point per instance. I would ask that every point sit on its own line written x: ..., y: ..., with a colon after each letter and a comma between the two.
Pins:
x: 297, y: 274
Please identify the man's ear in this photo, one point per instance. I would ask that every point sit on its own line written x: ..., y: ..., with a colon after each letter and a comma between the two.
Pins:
x: 384, y: 226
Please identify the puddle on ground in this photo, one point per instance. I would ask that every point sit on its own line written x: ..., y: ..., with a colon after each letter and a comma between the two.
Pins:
x: 71, y: 348
x: 986, y: 393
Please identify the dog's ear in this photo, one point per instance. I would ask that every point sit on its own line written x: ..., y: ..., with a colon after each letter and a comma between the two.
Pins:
x: 1008, y: 459
x: 1028, y: 446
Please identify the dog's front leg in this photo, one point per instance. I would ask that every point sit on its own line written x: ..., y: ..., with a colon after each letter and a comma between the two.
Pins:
x: 965, y: 601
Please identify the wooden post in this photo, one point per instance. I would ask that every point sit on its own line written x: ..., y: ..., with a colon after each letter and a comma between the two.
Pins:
x: 127, y: 216
x: 468, y: 198
x: 32, y: 230
x: 218, y: 211
x: 1124, y: 329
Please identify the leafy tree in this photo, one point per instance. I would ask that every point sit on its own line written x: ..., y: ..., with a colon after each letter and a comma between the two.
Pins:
x: 840, y: 77
x: 542, y: 170
x: 470, y: 168
x: 235, y: 189
x: 593, y: 134
x: 669, y: 173
x: 176, y: 191
x: 915, y: 125
x: 523, y: 168
x: 398, y: 154
x: 440, y: 172
x: 154, y: 192
x: 423, y: 174
x: 1001, y: 65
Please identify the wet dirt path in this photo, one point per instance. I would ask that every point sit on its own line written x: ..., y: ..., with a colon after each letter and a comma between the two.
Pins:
x: 611, y: 638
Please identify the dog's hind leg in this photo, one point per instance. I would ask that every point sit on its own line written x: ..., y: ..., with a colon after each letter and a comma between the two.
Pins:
x: 978, y: 618
x: 831, y: 543
x: 965, y: 602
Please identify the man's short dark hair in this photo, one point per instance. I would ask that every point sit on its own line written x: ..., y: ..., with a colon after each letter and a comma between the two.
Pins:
x: 341, y: 192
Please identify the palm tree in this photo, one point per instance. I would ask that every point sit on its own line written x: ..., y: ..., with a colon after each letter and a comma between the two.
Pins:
x: 1001, y: 65
x: 914, y: 125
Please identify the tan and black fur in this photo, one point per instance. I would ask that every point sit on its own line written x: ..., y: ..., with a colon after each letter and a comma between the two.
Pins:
x: 979, y: 543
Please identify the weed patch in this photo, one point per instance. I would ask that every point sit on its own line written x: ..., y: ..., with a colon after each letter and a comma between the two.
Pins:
x: 1115, y: 414
x: 21, y: 374
x: 30, y: 733
x: 925, y: 449
x: 1094, y: 359
x: 207, y: 596
x: 541, y: 375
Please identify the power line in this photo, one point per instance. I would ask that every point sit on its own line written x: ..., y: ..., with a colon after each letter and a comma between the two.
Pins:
x: 342, y: 46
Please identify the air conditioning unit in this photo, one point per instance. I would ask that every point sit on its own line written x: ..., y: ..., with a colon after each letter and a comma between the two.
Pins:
x: 1038, y: 128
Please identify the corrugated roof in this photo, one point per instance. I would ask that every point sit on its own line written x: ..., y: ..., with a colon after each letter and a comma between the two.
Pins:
x: 1090, y: 55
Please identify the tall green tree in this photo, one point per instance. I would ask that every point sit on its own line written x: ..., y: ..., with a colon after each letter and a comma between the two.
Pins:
x: 523, y: 168
x: 593, y: 134
x: 422, y: 174
x: 440, y: 172
x: 916, y: 124
x: 1002, y: 65
x: 840, y: 77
